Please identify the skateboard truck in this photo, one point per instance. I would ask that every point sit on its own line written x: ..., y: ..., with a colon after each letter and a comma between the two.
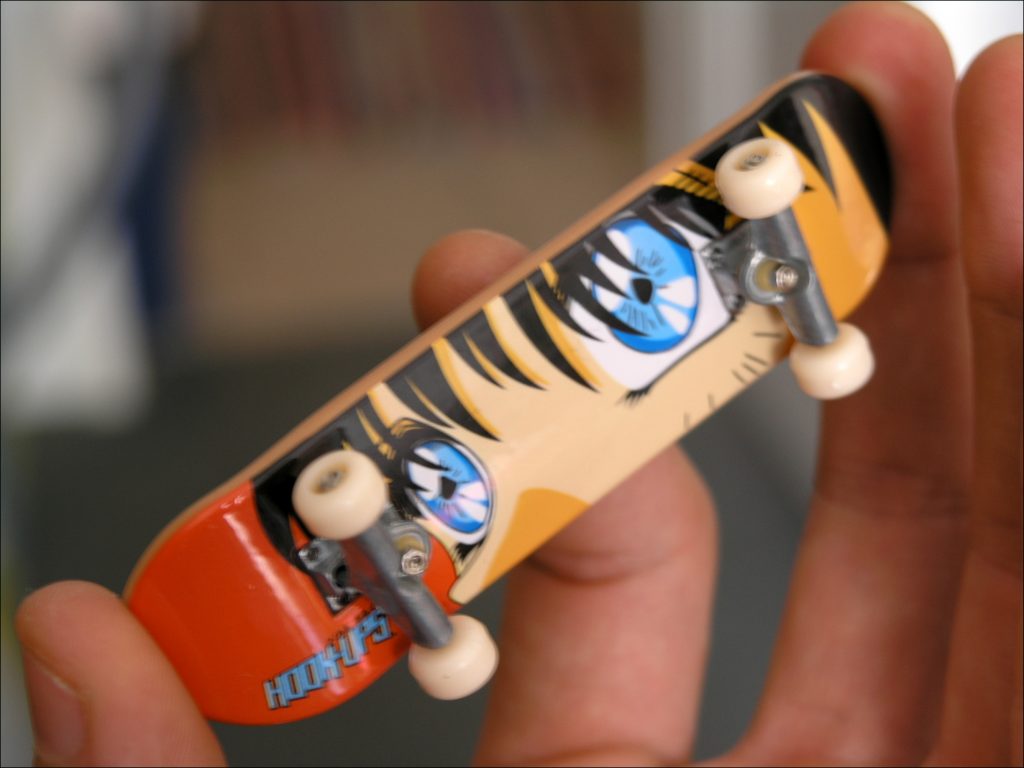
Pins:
x: 382, y: 563
x: 324, y: 560
x: 765, y: 260
x: 341, y: 498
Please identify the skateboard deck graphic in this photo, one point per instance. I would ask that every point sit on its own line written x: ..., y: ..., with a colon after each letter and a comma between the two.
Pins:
x: 509, y: 418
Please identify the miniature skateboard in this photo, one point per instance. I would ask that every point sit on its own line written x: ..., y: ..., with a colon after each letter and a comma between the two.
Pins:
x: 350, y: 542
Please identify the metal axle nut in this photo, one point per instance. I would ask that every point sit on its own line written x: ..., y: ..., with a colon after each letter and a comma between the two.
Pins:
x: 414, y: 562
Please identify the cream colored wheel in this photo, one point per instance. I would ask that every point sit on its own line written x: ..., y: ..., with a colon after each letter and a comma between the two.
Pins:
x: 460, y: 668
x: 834, y: 370
x: 339, y: 495
x: 759, y: 178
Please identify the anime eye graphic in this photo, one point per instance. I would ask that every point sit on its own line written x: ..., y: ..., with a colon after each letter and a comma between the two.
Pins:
x: 448, y: 484
x: 659, y: 294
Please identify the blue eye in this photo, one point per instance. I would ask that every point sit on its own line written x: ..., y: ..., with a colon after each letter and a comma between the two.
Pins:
x: 660, y: 294
x: 449, y: 485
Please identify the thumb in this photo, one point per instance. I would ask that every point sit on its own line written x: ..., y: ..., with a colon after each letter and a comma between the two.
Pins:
x: 100, y: 691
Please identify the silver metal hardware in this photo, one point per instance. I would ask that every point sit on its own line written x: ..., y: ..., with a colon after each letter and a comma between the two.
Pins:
x: 767, y: 262
x: 325, y: 562
x: 785, y: 278
x: 384, y: 563
x: 414, y: 562
x: 375, y: 563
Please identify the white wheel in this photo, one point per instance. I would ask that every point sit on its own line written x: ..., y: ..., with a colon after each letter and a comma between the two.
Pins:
x: 837, y: 369
x: 460, y: 668
x: 759, y: 178
x: 339, y: 495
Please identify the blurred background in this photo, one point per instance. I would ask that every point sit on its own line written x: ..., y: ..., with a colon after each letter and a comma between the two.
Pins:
x: 211, y: 213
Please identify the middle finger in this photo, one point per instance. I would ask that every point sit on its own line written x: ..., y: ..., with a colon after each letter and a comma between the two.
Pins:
x: 858, y: 669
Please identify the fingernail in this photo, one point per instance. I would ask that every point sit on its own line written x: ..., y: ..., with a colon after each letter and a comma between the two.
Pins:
x: 58, y: 718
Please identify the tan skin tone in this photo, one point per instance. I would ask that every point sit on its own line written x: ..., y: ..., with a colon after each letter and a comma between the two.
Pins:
x: 901, y: 640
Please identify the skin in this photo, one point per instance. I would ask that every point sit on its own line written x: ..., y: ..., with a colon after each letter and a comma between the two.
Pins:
x: 901, y: 640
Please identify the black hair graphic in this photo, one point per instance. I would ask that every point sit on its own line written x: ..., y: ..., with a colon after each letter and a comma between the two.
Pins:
x: 478, y: 332
x: 578, y: 267
x: 427, y: 375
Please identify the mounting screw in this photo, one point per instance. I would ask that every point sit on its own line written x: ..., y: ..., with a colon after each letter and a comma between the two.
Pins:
x: 414, y: 562
x: 785, y: 278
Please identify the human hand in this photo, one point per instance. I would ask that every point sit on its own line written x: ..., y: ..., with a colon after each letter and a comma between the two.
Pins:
x: 902, y: 638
